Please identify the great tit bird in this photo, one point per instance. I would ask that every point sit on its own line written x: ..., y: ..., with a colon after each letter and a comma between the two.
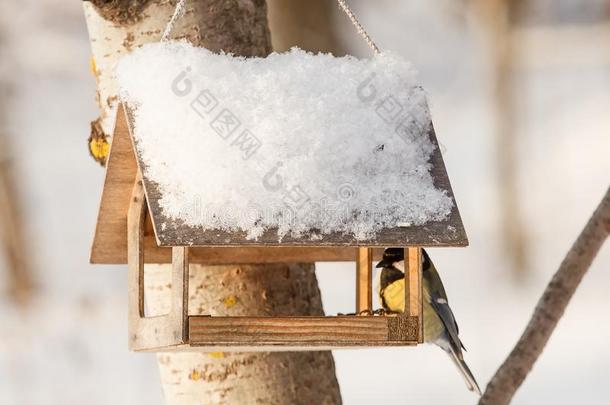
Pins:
x: 440, y: 326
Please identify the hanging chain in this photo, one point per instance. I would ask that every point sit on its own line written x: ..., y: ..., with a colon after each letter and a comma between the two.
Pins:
x: 358, y: 26
x: 178, y: 12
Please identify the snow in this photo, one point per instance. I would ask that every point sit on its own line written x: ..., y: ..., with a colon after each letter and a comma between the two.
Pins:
x: 302, y: 142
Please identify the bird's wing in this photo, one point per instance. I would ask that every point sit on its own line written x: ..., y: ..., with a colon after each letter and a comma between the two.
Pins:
x: 439, y: 297
x: 446, y: 314
x: 434, y: 280
x: 438, y: 300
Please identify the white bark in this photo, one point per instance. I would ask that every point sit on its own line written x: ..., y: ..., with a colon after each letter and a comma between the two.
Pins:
x: 110, y: 41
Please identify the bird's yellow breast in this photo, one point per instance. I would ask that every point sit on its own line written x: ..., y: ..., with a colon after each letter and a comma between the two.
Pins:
x: 394, y: 296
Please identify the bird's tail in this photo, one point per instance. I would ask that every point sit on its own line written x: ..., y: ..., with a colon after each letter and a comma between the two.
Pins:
x: 471, y: 383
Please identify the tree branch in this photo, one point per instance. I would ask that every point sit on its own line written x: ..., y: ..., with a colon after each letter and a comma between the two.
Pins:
x: 550, y: 308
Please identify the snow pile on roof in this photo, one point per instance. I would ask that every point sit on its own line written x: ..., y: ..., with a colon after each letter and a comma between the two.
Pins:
x: 306, y: 143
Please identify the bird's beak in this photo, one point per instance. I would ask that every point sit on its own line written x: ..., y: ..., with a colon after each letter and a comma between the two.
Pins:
x: 384, y: 263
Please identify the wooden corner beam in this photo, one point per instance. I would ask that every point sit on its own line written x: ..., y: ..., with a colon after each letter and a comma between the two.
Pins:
x: 414, y: 292
x: 364, y: 280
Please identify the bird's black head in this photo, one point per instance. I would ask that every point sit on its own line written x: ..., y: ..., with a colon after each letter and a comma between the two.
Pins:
x: 395, y: 255
x: 391, y: 256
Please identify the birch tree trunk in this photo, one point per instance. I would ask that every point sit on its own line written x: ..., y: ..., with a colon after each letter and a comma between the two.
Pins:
x: 238, y: 26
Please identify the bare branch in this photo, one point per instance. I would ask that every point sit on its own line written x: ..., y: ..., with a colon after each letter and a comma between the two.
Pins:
x: 550, y: 308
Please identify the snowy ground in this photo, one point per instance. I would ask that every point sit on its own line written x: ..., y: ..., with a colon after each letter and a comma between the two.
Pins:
x: 71, y: 347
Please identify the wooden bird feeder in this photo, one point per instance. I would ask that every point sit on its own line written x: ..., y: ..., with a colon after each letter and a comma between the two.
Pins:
x: 129, y: 231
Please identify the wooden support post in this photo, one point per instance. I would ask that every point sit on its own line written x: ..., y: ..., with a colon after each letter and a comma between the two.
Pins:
x: 135, y: 253
x: 414, y: 292
x: 180, y: 290
x: 157, y: 332
x: 364, y: 280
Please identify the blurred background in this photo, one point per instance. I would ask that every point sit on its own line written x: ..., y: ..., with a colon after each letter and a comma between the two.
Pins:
x: 520, y: 97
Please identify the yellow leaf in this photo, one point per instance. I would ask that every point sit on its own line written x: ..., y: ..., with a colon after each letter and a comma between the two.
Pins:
x: 99, y: 148
x: 217, y: 355
x: 230, y: 301
x: 98, y: 144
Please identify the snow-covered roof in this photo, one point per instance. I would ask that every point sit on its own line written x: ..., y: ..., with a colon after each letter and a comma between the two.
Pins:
x: 292, y: 149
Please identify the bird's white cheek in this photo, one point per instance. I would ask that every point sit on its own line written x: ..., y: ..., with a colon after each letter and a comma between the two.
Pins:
x: 400, y: 265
